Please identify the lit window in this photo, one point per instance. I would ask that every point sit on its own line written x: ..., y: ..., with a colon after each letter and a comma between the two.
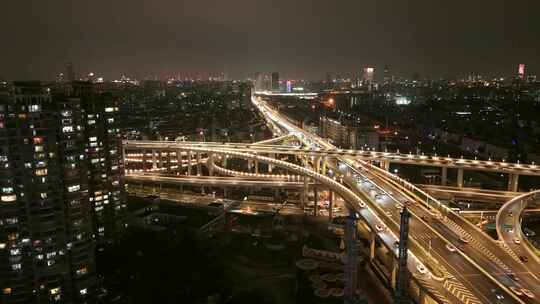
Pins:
x: 41, y: 172
x: 38, y: 148
x: 15, y: 251
x: 67, y: 129
x: 74, y: 188
x: 109, y: 109
x: 38, y: 140
x: 83, y: 291
x: 6, y: 290
x: 54, y: 291
x: 93, y: 138
x: 16, y: 266
x: 43, y: 195
x: 8, y: 198
x: 7, y: 190
x: 34, y: 108
x: 2, y: 245
x: 82, y: 271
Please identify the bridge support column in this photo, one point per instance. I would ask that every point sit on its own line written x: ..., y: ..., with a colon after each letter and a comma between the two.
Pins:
x: 315, y: 201
x: 211, y: 164
x: 384, y: 164
x: 460, y: 178
x: 199, y: 169
x: 256, y: 167
x: 372, y: 245
x: 160, y: 160
x: 179, y: 161
x: 513, y: 180
x: 144, y: 160
x: 304, y: 193
x: 154, y: 164
x: 444, y: 176
x: 224, y: 192
x: 318, y: 164
x: 224, y: 162
x: 270, y: 167
x: 324, y: 165
x: 189, y: 162
x: 331, y: 206
x: 394, y: 274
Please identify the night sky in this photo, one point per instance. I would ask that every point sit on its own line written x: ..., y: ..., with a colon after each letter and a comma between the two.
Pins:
x: 298, y: 38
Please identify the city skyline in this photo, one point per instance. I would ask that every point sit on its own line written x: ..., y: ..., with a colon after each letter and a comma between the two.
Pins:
x: 301, y: 39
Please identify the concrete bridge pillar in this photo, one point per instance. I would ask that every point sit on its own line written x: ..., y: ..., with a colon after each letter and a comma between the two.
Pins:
x: 270, y: 167
x: 372, y: 245
x: 384, y: 164
x: 318, y: 164
x: 331, y: 206
x: 189, y: 162
x: 315, y: 201
x: 324, y: 165
x: 160, y: 159
x: 394, y: 274
x: 224, y: 162
x: 199, y: 169
x: 154, y: 164
x: 211, y: 164
x: 460, y: 178
x: 256, y: 167
x: 144, y: 160
x: 444, y: 176
x: 304, y: 192
x: 179, y: 161
x: 513, y: 181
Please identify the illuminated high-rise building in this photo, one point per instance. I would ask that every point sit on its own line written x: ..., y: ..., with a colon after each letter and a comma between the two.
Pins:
x: 103, y: 145
x: 70, y: 72
x: 521, y: 71
x: 275, y: 81
x: 46, y: 244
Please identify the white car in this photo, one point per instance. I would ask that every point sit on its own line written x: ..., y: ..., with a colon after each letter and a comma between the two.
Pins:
x: 451, y: 247
x: 516, y: 290
x: 421, y: 269
x: 517, y: 241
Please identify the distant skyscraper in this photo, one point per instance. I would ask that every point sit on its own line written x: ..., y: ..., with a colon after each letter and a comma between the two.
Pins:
x: 521, y: 71
x: 289, y: 86
x: 70, y: 73
x: 367, y: 77
x: 259, y: 81
x: 387, y: 78
x: 104, y: 158
x: 275, y: 81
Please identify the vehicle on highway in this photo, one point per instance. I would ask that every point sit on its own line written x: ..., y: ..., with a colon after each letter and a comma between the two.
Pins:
x: 399, y: 207
x: 523, y: 258
x: 379, y: 227
x: 460, y: 247
x: 517, y: 241
x: 463, y: 240
x: 510, y: 214
x: 388, y: 213
x: 512, y: 276
x: 497, y: 295
x: 516, y: 290
x: 421, y: 269
x: 362, y: 204
x: 396, y: 244
x: 451, y: 247
x: 528, y: 293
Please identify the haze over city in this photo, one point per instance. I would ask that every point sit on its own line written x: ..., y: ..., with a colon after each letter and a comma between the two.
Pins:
x: 303, y: 39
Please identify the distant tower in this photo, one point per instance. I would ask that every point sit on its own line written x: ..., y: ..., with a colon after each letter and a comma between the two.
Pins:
x: 401, y: 295
x: 367, y: 77
x: 275, y: 82
x: 387, y: 78
x: 521, y: 71
x: 70, y: 74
